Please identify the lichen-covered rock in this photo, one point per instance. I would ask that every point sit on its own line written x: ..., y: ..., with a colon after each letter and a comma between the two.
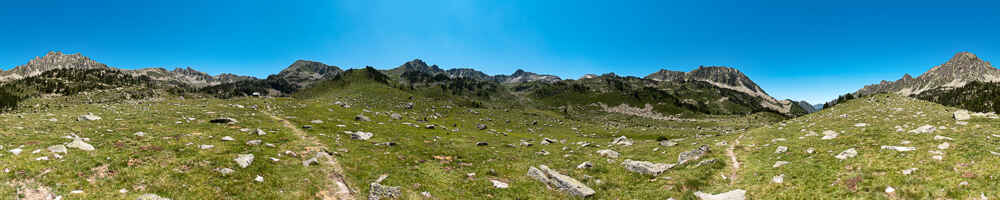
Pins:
x: 561, y: 182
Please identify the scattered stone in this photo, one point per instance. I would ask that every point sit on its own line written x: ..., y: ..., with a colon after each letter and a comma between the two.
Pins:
x: 224, y: 120
x: 608, y: 153
x: 140, y: 134
x: 962, y: 115
x: 695, y: 154
x: 849, y: 153
x: 829, y: 135
x: 778, y: 179
x: 889, y: 189
x: 225, y: 171
x: 79, y: 144
x: 706, y: 162
x: 360, y: 135
x: 909, y: 171
x: 943, y: 146
x: 16, y: 151
x: 924, y: 129
x: 482, y: 144
x: 810, y: 150
x: 647, y: 168
x: 481, y: 126
x: 781, y: 149
x: 624, y: 141
x: 362, y: 118
x: 561, y: 182
x: 57, y: 148
x: 259, y: 178
x: 151, y: 197
x: 88, y: 117
x: 668, y: 143
x: 253, y: 142
x: 378, y: 191
x: 261, y: 132
x: 780, y: 163
x: 244, y: 160
x: 585, y: 165
x: 860, y: 125
x: 316, y: 121
x: 206, y: 146
x: 899, y: 148
x: 938, y: 137
x: 499, y: 184
x: 731, y: 195
x: 396, y: 116
x: 227, y: 138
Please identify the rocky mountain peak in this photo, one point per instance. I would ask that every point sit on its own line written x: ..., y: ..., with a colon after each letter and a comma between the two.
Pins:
x: 305, y: 72
x: 962, y: 68
x: 51, y: 60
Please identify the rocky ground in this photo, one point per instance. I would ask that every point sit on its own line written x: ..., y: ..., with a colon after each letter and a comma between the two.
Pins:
x: 377, y: 142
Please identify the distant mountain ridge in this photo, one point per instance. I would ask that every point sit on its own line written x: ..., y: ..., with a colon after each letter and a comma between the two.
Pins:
x: 725, y: 77
x: 519, y: 76
x: 961, y: 69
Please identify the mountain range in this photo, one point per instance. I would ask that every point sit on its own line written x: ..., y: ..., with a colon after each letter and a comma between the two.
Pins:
x: 692, y: 89
x: 961, y: 69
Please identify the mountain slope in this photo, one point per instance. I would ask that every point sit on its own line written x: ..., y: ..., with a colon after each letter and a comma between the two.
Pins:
x: 729, y: 78
x: 963, y: 68
x: 51, y: 60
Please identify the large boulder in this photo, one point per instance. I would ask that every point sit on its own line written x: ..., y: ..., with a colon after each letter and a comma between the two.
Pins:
x: 961, y: 115
x: 695, y: 154
x: 647, y: 168
x: 561, y: 182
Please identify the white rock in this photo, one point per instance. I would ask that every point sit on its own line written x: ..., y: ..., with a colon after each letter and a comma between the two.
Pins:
x: 860, y: 125
x: 206, y: 146
x: 849, y: 153
x: 938, y: 157
x: 961, y: 115
x: 778, y: 178
x: 499, y: 184
x: 731, y: 195
x: 780, y: 163
x: 829, y: 135
x: 924, y: 129
x: 57, y: 148
x: 16, y: 151
x: 79, y: 144
x: 227, y: 138
x: 140, y: 134
x: 889, y: 189
x: 938, y: 137
x: 608, y: 153
x: 943, y: 146
x: 810, y: 150
x: 259, y: 178
x: 899, y: 148
x: 909, y: 171
x: 244, y: 160
x: 781, y: 149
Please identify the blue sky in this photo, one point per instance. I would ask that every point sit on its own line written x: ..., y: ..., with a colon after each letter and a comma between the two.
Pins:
x: 803, y: 50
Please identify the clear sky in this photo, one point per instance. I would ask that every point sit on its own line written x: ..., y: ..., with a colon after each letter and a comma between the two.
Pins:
x: 803, y: 50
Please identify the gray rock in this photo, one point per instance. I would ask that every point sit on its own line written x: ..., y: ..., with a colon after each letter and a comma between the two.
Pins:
x: 244, y: 160
x: 316, y: 121
x: 706, y: 162
x: 362, y: 118
x: 253, y: 142
x: 780, y: 163
x: 378, y: 191
x: 647, y: 168
x: 585, y: 165
x: 899, y: 148
x: 829, y: 135
x: 781, y: 149
x: 731, y: 195
x: 79, y: 144
x: 396, y: 116
x: 227, y: 138
x: 360, y: 135
x: 88, y: 117
x: 624, y: 141
x: 225, y: 171
x: 561, y: 182
x: 608, y: 153
x: 261, y: 132
x: 57, y: 148
x: 962, y: 115
x: 695, y: 154
x: 140, y: 134
x: 481, y: 126
x: 151, y: 197
x: 668, y: 143
x: 849, y: 153
x: 924, y: 129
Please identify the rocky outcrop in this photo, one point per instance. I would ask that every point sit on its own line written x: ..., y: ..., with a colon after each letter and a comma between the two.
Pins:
x: 52, y: 60
x: 963, y: 68
x: 304, y: 73
x: 728, y: 78
x: 561, y: 182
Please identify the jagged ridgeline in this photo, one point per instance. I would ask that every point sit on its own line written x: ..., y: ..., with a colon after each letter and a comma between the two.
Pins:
x: 72, y: 81
x: 975, y: 96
